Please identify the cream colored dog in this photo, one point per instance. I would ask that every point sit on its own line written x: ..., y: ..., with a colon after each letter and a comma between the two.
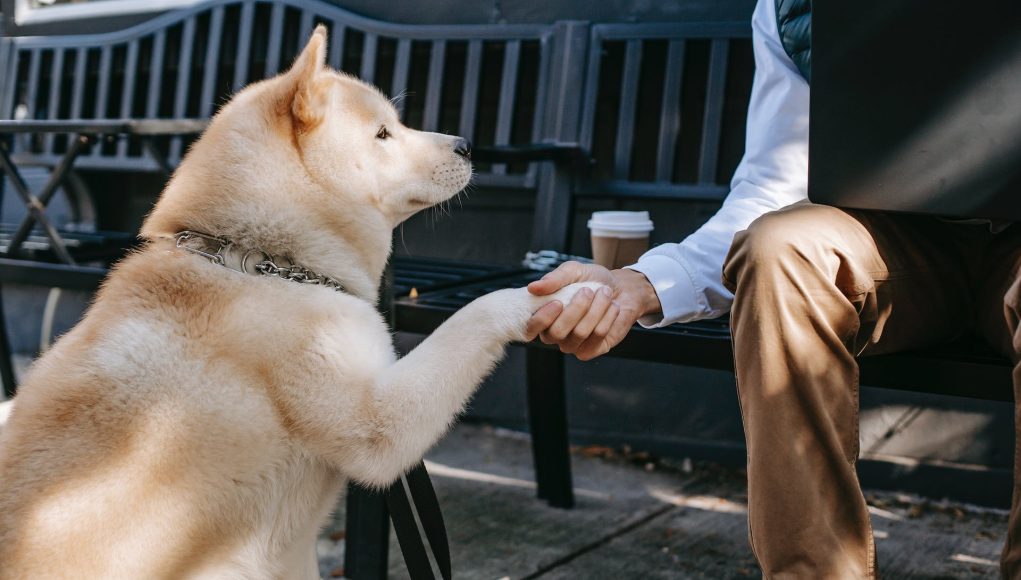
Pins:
x: 201, y: 421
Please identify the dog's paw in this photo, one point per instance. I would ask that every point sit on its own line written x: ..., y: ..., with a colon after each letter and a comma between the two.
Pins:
x: 564, y: 295
x: 510, y: 309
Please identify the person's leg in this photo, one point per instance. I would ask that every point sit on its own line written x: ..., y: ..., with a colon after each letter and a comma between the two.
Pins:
x: 815, y: 286
x: 999, y: 322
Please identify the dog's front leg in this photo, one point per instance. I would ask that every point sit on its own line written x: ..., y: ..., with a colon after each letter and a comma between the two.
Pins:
x: 417, y: 397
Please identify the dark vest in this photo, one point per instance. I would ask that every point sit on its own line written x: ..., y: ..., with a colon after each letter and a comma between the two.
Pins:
x: 794, y: 21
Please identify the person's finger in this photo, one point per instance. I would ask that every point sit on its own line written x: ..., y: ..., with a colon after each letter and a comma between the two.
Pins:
x: 566, y: 273
x: 619, y: 329
x: 596, y: 344
x: 543, y: 318
x: 570, y: 317
x: 592, y: 317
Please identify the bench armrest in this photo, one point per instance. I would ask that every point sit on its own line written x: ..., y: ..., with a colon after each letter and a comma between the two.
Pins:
x: 570, y: 153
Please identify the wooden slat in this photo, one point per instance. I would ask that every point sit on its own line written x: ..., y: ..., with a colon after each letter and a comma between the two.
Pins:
x: 670, y: 112
x: 588, y: 108
x: 542, y: 88
x: 210, y: 66
x: 508, y: 89
x: 183, y: 77
x: 305, y: 29
x: 33, y: 81
x: 273, y: 43
x: 78, y: 90
x: 628, y: 106
x: 368, y: 68
x: 103, y: 91
x: 505, y: 110
x: 470, y: 92
x: 242, y: 59
x: 433, y: 91
x: 713, y: 120
x: 53, y: 103
x: 152, y: 103
x: 128, y: 90
x: 337, y: 45
x: 8, y: 67
x: 402, y: 66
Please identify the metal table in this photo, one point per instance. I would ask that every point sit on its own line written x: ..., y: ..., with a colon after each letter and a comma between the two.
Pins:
x: 67, y: 272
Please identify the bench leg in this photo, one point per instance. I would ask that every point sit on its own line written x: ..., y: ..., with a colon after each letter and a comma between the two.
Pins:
x: 6, y: 362
x: 367, y: 542
x: 547, y: 415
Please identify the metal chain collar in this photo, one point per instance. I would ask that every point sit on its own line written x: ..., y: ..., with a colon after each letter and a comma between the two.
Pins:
x: 267, y: 266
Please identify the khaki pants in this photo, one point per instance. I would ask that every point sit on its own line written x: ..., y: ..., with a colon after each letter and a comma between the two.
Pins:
x: 814, y: 287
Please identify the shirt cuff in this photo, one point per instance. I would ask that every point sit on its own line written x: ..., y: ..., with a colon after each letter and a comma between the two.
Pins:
x: 674, y: 287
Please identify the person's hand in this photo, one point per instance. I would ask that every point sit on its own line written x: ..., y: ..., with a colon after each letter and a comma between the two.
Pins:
x: 594, y: 322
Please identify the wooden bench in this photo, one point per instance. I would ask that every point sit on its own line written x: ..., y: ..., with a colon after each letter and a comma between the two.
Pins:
x: 653, y: 136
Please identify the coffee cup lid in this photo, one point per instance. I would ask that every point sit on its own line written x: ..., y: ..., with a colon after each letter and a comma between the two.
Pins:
x: 621, y: 221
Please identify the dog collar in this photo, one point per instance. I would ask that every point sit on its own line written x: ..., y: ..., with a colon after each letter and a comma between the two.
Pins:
x: 224, y: 253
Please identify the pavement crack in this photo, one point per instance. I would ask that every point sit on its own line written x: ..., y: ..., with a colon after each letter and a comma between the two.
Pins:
x: 600, y: 542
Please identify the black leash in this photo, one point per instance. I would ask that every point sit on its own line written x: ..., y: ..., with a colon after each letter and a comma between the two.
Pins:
x: 414, y: 492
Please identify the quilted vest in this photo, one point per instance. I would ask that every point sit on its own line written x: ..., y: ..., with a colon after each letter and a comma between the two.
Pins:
x: 794, y: 22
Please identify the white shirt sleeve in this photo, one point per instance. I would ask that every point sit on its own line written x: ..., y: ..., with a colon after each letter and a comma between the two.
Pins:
x: 688, y: 277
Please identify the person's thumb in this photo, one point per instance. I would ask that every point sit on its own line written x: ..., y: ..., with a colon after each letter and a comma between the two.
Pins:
x: 567, y: 273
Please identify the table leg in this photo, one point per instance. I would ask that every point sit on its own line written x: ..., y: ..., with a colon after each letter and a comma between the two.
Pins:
x: 547, y: 417
x: 366, y: 548
x: 6, y: 362
x: 34, y: 207
x: 46, y: 193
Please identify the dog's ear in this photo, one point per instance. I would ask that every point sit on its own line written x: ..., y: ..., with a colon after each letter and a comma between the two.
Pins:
x: 305, y: 105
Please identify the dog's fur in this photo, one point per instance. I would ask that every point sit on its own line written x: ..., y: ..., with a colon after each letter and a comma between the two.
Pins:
x: 201, y: 422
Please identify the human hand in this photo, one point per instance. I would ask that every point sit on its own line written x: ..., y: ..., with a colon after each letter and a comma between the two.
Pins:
x: 593, y: 322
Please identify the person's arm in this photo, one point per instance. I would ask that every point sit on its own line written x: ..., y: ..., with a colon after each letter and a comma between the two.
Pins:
x: 772, y: 174
x: 683, y: 282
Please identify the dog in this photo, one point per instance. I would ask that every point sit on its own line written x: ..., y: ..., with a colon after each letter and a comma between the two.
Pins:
x: 204, y: 416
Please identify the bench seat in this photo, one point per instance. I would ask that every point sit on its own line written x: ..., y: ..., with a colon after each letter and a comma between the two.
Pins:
x: 966, y: 368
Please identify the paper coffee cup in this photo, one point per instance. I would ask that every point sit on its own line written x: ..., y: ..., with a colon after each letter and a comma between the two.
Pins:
x: 619, y: 238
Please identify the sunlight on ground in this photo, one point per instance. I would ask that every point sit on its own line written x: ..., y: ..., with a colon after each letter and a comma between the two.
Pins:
x: 5, y: 412
x: 439, y: 470
x: 699, y: 502
x: 966, y: 559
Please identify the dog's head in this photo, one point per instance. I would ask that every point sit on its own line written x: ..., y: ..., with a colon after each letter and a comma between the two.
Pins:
x: 314, y: 146
x: 353, y: 142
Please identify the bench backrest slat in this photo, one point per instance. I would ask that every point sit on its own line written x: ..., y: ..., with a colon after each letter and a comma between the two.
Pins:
x: 505, y: 110
x: 709, y: 155
x: 402, y: 66
x: 53, y: 98
x: 307, y: 21
x: 368, y: 66
x: 33, y: 80
x: 470, y: 91
x: 670, y: 112
x: 628, y: 105
x: 273, y: 42
x: 209, y: 68
x: 241, y: 61
x: 128, y: 89
x: 338, y: 36
x: 152, y: 103
x: 431, y: 114
x: 184, y: 60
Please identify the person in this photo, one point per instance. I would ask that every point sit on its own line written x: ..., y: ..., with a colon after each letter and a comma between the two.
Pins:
x: 809, y: 288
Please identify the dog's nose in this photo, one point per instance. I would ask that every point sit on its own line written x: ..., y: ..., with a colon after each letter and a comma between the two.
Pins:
x: 463, y: 147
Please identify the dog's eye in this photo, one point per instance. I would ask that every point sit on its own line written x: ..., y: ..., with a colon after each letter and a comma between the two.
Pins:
x: 383, y: 133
